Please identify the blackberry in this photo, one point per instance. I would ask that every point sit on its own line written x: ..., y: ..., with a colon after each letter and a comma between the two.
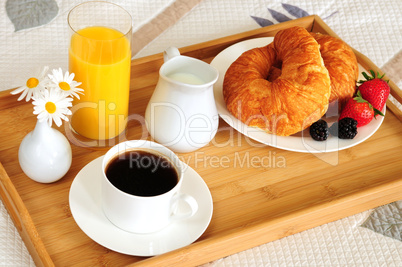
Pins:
x: 319, y: 130
x: 346, y: 128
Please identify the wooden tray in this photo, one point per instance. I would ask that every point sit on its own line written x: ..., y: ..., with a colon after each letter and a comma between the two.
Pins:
x: 252, y: 205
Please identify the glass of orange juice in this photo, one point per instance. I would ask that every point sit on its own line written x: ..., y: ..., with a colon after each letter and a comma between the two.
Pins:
x: 100, y: 58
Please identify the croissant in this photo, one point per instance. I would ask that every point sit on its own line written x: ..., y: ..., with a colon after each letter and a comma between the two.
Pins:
x: 291, y: 102
x: 342, y: 67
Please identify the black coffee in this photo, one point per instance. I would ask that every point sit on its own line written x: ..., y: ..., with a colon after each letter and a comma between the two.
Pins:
x: 141, y: 173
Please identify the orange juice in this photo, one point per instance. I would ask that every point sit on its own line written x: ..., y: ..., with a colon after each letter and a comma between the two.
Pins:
x: 100, y: 58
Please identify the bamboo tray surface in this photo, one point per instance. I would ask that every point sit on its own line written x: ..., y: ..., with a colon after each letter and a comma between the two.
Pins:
x: 254, y: 202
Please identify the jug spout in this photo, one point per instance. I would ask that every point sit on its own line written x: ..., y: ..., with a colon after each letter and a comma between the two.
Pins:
x: 170, y: 53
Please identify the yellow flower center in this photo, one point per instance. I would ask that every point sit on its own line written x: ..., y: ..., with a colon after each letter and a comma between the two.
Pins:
x: 64, y: 86
x: 32, y: 83
x: 50, y: 107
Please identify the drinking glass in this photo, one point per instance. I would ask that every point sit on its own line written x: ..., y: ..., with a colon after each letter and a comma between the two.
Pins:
x: 100, y: 58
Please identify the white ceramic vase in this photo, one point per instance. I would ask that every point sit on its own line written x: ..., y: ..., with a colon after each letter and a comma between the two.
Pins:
x: 45, y: 154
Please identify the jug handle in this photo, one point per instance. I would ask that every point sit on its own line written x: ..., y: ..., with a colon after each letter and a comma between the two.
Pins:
x: 170, y: 53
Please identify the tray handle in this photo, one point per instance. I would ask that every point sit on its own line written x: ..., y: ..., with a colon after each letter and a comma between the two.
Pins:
x: 22, y: 220
x: 395, y: 92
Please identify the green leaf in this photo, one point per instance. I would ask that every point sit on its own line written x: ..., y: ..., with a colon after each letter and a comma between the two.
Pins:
x: 25, y: 14
x: 366, y: 76
x: 377, y: 112
x: 372, y: 74
x: 359, y: 99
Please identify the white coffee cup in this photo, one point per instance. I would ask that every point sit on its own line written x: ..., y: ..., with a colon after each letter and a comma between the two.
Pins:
x: 144, y: 214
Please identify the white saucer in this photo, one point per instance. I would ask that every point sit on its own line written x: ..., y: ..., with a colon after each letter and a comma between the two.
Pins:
x: 85, y: 205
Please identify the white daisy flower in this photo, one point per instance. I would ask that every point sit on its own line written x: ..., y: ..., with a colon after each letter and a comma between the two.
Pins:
x: 65, y: 83
x: 33, y: 86
x: 52, y: 105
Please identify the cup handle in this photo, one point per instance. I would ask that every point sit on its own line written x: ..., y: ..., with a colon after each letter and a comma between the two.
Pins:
x: 170, y: 53
x: 191, y: 203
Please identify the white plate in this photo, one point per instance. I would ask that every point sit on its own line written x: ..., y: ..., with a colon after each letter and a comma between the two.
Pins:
x: 300, y: 142
x: 85, y: 205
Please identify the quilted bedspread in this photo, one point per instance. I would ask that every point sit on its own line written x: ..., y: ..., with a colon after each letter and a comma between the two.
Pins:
x: 33, y: 36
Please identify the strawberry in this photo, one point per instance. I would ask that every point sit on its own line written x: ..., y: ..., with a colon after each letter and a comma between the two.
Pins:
x: 359, y: 109
x: 374, y: 89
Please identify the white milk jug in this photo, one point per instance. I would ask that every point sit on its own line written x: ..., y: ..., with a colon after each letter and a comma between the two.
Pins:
x: 181, y: 113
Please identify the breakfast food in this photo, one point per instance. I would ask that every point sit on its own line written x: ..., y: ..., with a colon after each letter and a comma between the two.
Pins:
x: 359, y: 109
x: 319, y: 130
x: 346, y: 128
x: 298, y: 97
x: 375, y: 90
x: 341, y: 64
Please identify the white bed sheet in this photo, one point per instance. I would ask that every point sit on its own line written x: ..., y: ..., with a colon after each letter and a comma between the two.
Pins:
x: 374, y: 28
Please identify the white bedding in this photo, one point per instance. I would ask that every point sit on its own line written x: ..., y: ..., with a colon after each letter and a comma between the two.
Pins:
x: 373, y: 28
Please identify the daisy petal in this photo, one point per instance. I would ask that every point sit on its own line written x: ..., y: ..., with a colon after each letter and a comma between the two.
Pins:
x: 18, y: 90
x: 29, y: 94
x: 49, y: 121
x: 41, y: 119
x: 57, y: 120
x: 24, y: 93
x: 42, y: 115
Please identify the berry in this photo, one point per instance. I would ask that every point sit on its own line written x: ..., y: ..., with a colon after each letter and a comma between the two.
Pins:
x: 359, y: 109
x: 346, y: 128
x: 319, y: 130
x: 375, y: 90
